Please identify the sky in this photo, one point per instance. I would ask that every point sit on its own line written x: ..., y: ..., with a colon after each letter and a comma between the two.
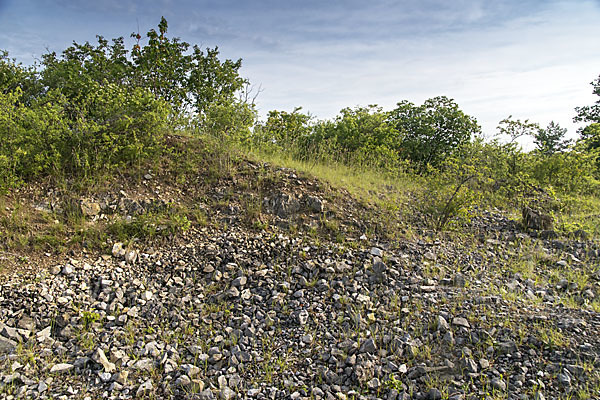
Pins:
x: 532, y: 59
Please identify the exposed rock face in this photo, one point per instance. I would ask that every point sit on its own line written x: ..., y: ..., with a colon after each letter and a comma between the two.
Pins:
x: 536, y: 220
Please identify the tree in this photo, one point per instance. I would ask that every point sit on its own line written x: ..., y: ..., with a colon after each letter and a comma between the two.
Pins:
x: 282, y: 128
x: 590, y: 113
x: 552, y: 139
x: 515, y: 128
x: 432, y: 131
x: 590, y: 136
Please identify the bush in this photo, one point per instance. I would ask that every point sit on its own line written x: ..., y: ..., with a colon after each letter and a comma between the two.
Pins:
x: 99, y: 107
x: 109, y: 128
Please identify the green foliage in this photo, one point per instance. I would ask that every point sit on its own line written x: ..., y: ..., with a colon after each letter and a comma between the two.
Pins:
x: 96, y: 108
x: 89, y: 318
x: 110, y: 127
x: 283, y: 129
x: 590, y: 113
x: 432, y: 131
x: 193, y: 81
x: 360, y: 136
x: 551, y: 140
x: 515, y: 129
x: 451, y: 193
x: 15, y: 76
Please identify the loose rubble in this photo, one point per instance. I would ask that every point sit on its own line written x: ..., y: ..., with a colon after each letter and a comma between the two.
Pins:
x: 240, y: 313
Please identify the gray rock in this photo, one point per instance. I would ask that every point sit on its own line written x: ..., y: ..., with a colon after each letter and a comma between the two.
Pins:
x: 376, y: 251
x: 145, y: 388
x: 470, y: 365
x: 442, y: 324
x: 190, y: 369
x: 227, y: 394
x: 564, y: 380
x: 303, y: 317
x: 434, y: 394
x: 498, y: 384
x: 61, y: 368
x: 67, y: 270
x: 373, y: 384
x: 460, y: 321
x: 42, y: 387
x: 368, y: 346
x: 239, y: 281
x: 100, y: 358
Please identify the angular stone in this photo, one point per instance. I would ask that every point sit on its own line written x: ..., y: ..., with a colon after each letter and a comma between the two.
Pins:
x: 190, y: 370
x: 460, y: 321
x: 100, y: 358
x: 442, y: 324
x: 7, y: 346
x: 368, y: 346
x: 61, y: 368
x: 498, y: 384
x: 145, y: 388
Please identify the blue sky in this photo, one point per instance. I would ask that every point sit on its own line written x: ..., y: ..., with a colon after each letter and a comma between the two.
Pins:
x: 530, y: 59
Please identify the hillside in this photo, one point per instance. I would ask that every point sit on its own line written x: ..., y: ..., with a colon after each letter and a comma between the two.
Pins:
x: 158, y: 240
x: 284, y: 286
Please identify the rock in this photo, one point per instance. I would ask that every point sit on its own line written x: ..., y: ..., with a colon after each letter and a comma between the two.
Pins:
x: 90, y: 208
x: 538, y: 396
x: 42, y: 387
x: 314, y: 204
x: 117, y: 250
x: 460, y: 321
x: 183, y: 381
x: 190, y: 370
x: 484, y: 363
x: 373, y: 384
x: 303, y: 317
x: 145, y: 388
x: 121, y: 377
x: 239, y: 281
x: 131, y: 257
x: 368, y: 346
x: 536, y: 220
x: 26, y: 323
x: 434, y: 394
x: 100, y: 358
x: 470, y: 365
x: 442, y: 324
x: 459, y: 280
x: 227, y: 394
x: 105, y: 377
x: 498, y: 384
x: 284, y: 205
x: 61, y: 368
x: 144, y: 364
x: 564, y: 380
x: 67, y: 270
x: 376, y: 251
x: 147, y: 295
x: 307, y: 339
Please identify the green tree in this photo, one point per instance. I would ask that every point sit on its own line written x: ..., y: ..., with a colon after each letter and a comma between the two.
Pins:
x: 359, y: 136
x: 590, y: 113
x: 193, y: 81
x: 283, y: 129
x: 432, y: 131
x: 552, y: 139
x: 590, y: 136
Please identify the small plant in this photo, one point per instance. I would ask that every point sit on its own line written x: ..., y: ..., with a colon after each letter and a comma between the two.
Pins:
x: 89, y: 318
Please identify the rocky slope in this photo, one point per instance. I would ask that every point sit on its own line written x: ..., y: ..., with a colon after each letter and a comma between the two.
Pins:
x: 227, y: 311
